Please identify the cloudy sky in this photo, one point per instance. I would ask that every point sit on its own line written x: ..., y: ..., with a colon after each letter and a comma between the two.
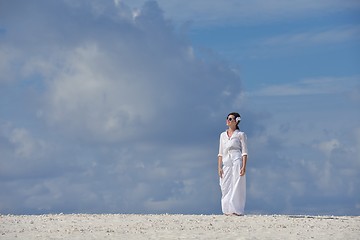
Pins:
x: 116, y: 106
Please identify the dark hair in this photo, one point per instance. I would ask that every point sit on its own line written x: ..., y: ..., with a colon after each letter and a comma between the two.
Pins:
x: 236, y: 115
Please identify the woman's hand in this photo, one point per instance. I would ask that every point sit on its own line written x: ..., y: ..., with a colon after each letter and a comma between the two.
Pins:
x: 242, y: 171
x: 243, y: 165
x: 221, y: 172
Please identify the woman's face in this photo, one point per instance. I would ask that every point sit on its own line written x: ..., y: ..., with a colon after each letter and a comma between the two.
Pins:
x: 230, y: 121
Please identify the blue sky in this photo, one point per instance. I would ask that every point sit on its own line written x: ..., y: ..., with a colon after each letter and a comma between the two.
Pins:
x: 117, y: 106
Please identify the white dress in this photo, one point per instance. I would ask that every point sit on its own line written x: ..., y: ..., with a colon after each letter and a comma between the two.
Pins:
x: 233, y: 186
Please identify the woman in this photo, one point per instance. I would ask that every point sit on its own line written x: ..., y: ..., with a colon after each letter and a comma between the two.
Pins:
x: 232, y: 159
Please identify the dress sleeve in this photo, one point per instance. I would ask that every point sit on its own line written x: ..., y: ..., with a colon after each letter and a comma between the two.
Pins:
x: 220, y: 147
x: 243, y: 140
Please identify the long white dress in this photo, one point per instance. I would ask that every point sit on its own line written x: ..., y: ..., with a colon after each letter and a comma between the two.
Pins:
x: 233, y: 186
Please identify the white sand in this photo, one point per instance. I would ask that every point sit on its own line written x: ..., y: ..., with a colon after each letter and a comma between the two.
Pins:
x: 129, y: 226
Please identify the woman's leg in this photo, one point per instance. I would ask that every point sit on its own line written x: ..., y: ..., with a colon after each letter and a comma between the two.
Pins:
x: 226, y: 189
x: 238, y: 196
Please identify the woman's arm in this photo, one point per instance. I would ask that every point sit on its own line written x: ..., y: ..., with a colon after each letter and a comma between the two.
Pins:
x: 244, y: 153
x: 220, y: 170
x: 243, y: 167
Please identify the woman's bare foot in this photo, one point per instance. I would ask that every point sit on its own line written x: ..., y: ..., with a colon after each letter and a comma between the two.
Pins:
x: 236, y: 214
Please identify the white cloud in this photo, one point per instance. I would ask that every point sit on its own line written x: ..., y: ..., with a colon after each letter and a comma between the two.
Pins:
x: 25, y: 145
x: 107, y: 84
x: 22, y: 143
x: 311, y: 86
x: 328, y: 146
x: 338, y: 35
x: 203, y: 12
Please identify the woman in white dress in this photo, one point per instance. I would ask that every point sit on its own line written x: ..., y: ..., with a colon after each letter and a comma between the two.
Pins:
x: 232, y: 159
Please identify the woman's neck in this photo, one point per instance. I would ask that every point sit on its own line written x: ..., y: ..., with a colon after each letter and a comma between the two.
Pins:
x: 232, y: 129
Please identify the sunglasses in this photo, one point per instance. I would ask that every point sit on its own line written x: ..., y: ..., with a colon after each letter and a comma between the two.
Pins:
x: 230, y: 119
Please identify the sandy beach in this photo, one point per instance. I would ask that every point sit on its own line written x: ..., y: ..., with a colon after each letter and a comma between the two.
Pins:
x: 169, y: 226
